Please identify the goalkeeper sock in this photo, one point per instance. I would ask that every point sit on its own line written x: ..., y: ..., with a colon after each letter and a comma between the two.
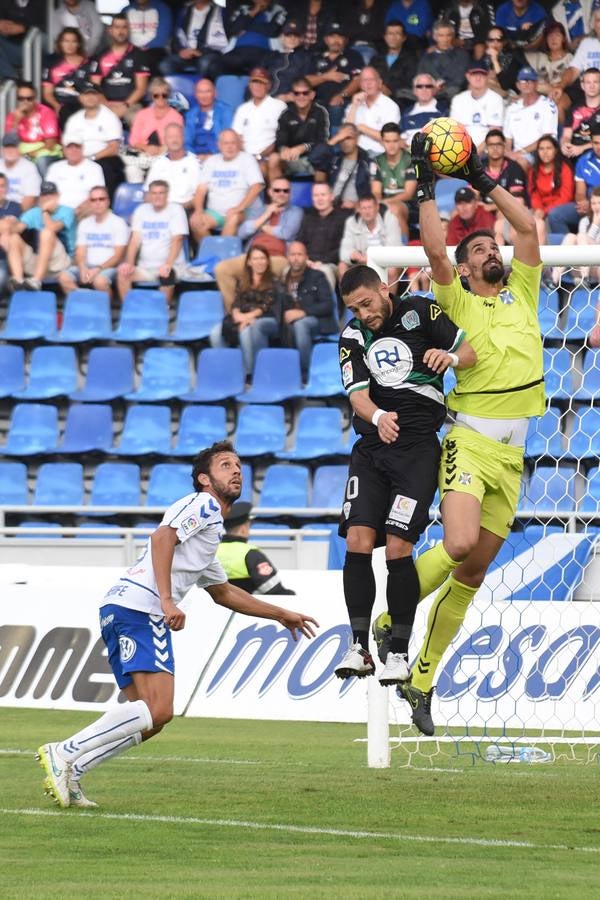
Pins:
x: 359, y: 592
x: 117, y: 723
x: 445, y: 618
x: 402, y: 599
x: 102, y: 754
x: 433, y: 567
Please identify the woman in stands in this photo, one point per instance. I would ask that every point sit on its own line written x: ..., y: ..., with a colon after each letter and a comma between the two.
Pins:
x: 551, y: 181
x: 64, y: 73
x: 255, y: 317
x: 147, y: 135
x: 551, y: 62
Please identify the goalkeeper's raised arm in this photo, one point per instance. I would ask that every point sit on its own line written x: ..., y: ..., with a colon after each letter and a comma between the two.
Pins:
x: 526, y: 245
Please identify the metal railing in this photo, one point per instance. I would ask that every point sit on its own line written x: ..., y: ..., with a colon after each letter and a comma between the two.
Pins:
x: 32, y: 58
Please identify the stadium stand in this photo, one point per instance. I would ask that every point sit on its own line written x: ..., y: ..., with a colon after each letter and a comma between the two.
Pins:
x: 197, y: 314
x: 219, y: 376
x: 59, y: 484
x: 53, y: 372
x: 110, y: 375
x: 144, y: 317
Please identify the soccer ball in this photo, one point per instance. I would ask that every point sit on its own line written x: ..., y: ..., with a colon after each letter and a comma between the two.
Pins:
x: 451, y: 144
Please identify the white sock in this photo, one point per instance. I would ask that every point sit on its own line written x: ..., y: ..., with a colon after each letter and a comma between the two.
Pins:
x: 102, y: 754
x: 117, y: 723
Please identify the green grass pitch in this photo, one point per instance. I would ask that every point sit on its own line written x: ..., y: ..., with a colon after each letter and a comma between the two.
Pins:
x: 243, y: 809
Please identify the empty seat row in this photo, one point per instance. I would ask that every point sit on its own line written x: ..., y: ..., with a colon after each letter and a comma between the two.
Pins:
x: 166, y: 374
x: 261, y: 430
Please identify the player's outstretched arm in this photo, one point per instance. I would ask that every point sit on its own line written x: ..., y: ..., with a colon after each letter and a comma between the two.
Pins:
x: 441, y: 360
x: 235, y: 598
x: 430, y: 224
x: 526, y: 245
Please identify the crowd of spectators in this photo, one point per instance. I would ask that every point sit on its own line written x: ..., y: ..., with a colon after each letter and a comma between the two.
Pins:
x: 334, y: 94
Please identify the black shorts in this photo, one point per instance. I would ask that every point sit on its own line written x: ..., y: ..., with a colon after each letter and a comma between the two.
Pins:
x: 390, y: 487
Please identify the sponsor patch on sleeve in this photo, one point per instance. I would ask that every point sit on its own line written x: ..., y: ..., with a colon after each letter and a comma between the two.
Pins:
x: 264, y: 569
x: 411, y: 319
x: 347, y: 374
x: 190, y: 524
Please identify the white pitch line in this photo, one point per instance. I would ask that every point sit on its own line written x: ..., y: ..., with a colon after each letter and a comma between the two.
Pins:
x: 305, y: 829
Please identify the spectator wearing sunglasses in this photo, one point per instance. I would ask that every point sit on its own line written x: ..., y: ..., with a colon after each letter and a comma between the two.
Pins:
x: 426, y: 108
x: 504, y: 62
x: 302, y: 131
x: 147, y: 135
x: 256, y: 120
x: 36, y: 126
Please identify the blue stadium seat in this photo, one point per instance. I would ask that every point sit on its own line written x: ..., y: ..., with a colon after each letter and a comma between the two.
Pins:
x: 230, y: 89
x: 31, y: 316
x: 144, y: 317
x: 59, y: 484
x: 272, y: 526
x: 197, y: 314
x: 543, y: 436
x: 147, y: 429
x: 445, y: 189
x: 28, y: 535
x: 276, y: 377
x: 88, y: 429
x: 200, y: 426
x: 86, y: 318
x: 128, y: 197
x: 116, y: 484
x: 558, y: 373
x: 590, y: 502
x: 329, y: 484
x: 548, y: 314
x: 590, y: 383
x: 301, y: 194
x: 166, y: 373
x: 247, y: 483
x: 284, y: 486
x: 53, y: 372
x: 219, y: 247
x: 104, y: 526
x: 260, y: 430
x: 581, y: 313
x: 33, y: 429
x: 110, y: 374
x: 219, y: 376
x: 324, y: 378
x: 319, y: 434
x: 183, y: 84
x: 168, y: 483
x: 585, y: 435
x: 550, y: 489
x: 13, y: 484
x: 12, y: 370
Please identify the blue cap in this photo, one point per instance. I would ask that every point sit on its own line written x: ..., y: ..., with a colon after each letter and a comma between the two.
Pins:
x: 527, y: 74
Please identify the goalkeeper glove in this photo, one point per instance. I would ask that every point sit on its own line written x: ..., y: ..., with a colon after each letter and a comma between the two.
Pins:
x: 475, y: 174
x: 419, y: 150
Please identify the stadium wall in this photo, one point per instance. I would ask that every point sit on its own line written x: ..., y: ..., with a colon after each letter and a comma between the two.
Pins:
x: 530, y: 661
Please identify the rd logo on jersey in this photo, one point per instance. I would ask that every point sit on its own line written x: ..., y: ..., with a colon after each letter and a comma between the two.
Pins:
x: 390, y: 361
x: 127, y: 648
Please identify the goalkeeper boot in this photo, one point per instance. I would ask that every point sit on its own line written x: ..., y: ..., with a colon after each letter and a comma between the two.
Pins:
x: 420, y: 704
x: 76, y: 795
x: 396, y: 669
x: 355, y: 662
x: 57, y: 774
x: 381, y: 629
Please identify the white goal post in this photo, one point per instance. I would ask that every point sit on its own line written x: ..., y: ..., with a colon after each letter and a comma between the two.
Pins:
x: 554, y: 698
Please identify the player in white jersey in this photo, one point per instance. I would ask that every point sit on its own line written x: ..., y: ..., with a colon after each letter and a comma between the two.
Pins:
x: 138, y: 614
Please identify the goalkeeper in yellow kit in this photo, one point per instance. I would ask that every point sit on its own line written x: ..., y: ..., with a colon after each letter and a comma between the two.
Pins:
x: 482, y: 454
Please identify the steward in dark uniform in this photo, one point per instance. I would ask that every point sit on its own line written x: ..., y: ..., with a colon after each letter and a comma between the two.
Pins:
x: 245, y: 565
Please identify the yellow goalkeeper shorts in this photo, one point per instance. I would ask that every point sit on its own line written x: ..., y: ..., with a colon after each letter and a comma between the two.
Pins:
x: 486, y: 469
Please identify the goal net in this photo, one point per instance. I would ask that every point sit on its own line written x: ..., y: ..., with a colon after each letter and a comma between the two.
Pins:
x: 521, y: 680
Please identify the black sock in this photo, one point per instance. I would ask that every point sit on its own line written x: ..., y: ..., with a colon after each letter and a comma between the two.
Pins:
x: 402, y: 599
x: 359, y: 592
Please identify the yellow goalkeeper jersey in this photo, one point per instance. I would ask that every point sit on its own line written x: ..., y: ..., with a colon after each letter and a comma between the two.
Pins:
x: 507, y: 380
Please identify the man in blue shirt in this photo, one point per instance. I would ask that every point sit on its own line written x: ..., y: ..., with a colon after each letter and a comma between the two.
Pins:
x: 206, y: 119
x: 565, y: 218
x: 415, y: 15
x: 42, y: 241
x: 523, y: 21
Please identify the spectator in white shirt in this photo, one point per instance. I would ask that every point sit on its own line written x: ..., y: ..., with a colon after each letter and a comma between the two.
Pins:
x: 100, y: 246
x: 230, y: 183
x: 370, y: 110
x: 368, y: 227
x: 531, y: 116
x: 24, y: 180
x: 179, y: 168
x: 155, y: 250
x: 75, y: 176
x: 256, y: 120
x: 99, y: 131
x: 479, y: 108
